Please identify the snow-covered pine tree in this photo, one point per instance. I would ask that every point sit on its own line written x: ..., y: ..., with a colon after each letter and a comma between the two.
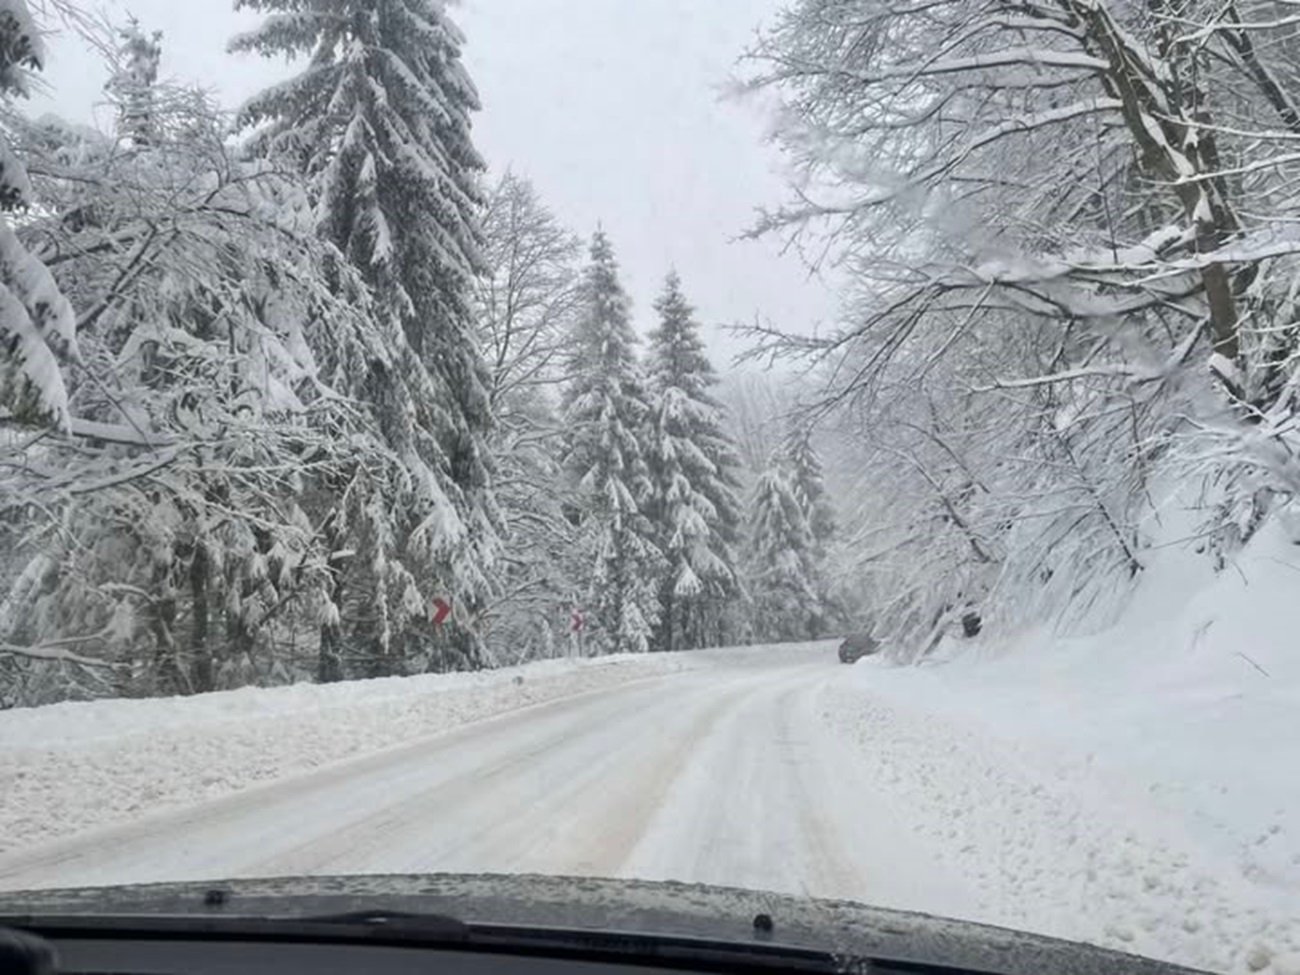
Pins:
x: 695, y: 510
x: 808, y: 480
x: 781, y: 566
x: 181, y: 531
x: 605, y: 412
x: 132, y: 83
x: 37, y: 324
x: 379, y: 123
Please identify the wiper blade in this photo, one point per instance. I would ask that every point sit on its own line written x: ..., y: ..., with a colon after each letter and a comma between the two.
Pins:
x: 442, y: 927
x: 571, y: 942
x: 440, y: 932
x: 596, y: 944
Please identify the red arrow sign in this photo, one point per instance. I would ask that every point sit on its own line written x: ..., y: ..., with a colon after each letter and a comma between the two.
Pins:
x: 577, y: 622
x: 441, y: 610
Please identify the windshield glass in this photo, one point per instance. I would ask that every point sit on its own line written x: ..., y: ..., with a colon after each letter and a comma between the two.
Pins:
x: 842, y: 448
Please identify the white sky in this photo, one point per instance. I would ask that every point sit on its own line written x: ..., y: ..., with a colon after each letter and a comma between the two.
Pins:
x: 614, y: 109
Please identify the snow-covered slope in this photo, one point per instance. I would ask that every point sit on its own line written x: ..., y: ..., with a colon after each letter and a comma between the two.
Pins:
x: 1143, y: 781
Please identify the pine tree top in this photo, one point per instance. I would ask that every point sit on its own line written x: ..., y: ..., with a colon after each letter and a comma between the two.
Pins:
x: 133, y: 80
x: 604, y: 330
x: 802, y: 455
x: 139, y: 53
x: 678, y: 358
x: 809, y: 482
x: 779, y: 522
x: 380, y: 118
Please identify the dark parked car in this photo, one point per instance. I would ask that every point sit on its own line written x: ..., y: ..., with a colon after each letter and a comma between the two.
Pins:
x: 856, y: 646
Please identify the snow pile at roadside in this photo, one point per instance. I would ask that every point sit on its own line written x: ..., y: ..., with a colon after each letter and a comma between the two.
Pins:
x: 1139, y: 787
x: 69, y: 767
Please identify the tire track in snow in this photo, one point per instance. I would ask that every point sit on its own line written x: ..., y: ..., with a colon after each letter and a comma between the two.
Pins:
x: 556, y: 814
x: 214, y: 839
x: 832, y: 871
x: 773, y: 800
x: 639, y: 809
x: 565, y: 786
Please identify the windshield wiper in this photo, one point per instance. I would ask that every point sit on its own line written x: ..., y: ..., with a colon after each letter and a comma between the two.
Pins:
x: 441, y: 927
x: 587, y: 943
x: 440, y: 932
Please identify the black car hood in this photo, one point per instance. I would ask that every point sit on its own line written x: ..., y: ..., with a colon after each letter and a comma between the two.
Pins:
x: 642, y: 907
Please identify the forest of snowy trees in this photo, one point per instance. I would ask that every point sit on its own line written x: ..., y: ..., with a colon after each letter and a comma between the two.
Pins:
x: 311, y: 391
x: 1068, y: 232
x: 305, y: 393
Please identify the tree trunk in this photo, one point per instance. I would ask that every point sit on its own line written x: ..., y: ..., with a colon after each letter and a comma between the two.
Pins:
x: 669, y: 641
x: 201, y: 670
x: 169, y: 677
x: 466, y: 643
x: 1145, y: 100
x: 167, y: 668
x: 329, y: 656
x: 329, y: 659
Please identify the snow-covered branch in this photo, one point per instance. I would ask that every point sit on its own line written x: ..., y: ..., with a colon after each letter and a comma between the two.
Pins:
x: 55, y: 652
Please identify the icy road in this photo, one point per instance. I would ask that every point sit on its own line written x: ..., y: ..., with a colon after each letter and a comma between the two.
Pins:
x: 1033, y: 802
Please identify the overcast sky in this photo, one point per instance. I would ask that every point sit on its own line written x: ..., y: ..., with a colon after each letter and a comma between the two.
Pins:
x: 615, y: 110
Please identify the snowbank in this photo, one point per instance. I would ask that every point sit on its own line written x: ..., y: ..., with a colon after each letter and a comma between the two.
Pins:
x: 69, y: 767
x: 1143, y: 782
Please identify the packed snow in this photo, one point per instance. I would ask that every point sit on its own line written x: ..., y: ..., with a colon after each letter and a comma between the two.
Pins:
x: 74, y: 766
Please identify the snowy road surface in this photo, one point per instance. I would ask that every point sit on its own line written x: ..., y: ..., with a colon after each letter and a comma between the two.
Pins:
x: 773, y: 768
x: 719, y: 775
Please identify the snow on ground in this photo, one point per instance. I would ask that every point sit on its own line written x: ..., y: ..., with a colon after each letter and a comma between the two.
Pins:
x: 69, y: 767
x: 1139, y: 787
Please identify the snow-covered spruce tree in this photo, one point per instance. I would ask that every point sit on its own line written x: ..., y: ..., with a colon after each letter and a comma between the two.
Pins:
x: 180, y: 533
x: 780, y: 566
x: 37, y: 324
x: 695, y: 510
x: 132, y: 83
x: 809, y: 483
x: 605, y: 412
x: 378, y: 122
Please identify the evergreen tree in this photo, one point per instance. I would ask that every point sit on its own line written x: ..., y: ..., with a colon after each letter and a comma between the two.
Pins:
x: 37, y: 324
x: 695, y: 511
x: 808, y: 481
x: 605, y: 411
x: 379, y: 124
x: 782, y: 569
x: 132, y: 83
x: 215, y: 398
x: 380, y: 121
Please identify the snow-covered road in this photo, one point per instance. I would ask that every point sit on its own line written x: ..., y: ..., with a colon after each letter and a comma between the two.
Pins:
x: 773, y: 768
x: 720, y: 774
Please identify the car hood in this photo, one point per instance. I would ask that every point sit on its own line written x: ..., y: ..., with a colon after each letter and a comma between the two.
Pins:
x: 643, y: 907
